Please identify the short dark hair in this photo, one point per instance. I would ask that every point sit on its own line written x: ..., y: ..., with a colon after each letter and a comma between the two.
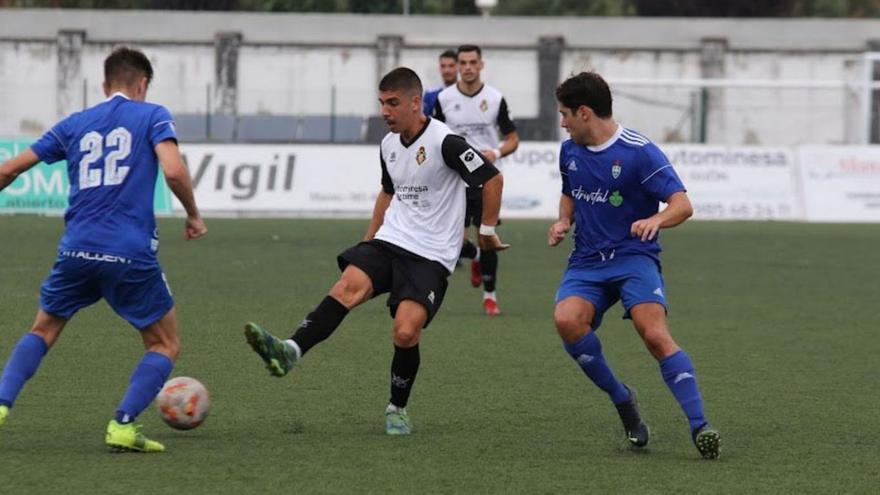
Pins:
x: 449, y: 54
x: 401, y: 79
x: 125, y: 65
x: 586, y: 88
x: 469, y: 48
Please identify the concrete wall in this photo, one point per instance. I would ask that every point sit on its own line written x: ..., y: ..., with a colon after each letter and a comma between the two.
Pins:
x: 294, y: 64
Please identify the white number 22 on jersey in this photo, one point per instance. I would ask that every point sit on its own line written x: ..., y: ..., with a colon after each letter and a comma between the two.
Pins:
x: 93, y: 143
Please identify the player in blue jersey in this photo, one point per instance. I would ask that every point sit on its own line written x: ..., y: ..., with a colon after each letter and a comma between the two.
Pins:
x: 448, y: 73
x: 613, y: 180
x: 108, y: 249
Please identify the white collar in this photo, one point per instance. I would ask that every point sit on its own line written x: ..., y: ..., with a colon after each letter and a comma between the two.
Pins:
x: 607, y: 144
x: 118, y: 93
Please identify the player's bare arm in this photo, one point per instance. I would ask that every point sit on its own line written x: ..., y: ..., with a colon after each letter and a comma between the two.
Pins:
x: 678, y: 210
x: 383, y: 200
x: 17, y: 165
x: 561, y: 227
x: 489, y: 240
x: 508, y: 146
x: 178, y: 179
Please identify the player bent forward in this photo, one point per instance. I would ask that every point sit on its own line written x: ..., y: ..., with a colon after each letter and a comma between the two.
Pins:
x: 613, y: 180
x: 411, y: 245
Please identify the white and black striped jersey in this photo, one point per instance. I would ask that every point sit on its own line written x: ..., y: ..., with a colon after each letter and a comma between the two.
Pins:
x: 427, y: 178
x: 478, y: 117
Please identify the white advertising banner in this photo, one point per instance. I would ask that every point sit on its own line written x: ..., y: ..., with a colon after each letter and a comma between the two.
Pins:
x: 307, y: 180
x: 840, y: 184
x: 532, y: 183
x: 737, y: 183
x: 832, y: 184
x: 327, y: 180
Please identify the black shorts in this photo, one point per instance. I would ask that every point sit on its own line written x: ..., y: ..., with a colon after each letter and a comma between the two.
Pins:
x: 473, y: 211
x: 401, y: 273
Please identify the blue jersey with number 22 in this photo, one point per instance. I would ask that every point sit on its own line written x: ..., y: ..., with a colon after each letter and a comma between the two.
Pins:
x: 112, y: 166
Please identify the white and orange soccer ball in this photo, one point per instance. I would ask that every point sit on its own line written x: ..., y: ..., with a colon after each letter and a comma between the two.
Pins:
x: 183, y: 403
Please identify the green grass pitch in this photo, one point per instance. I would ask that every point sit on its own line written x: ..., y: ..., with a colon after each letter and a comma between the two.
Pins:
x: 780, y: 319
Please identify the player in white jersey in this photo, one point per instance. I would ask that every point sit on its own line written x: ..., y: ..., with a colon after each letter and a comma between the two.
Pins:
x: 478, y: 112
x: 411, y: 244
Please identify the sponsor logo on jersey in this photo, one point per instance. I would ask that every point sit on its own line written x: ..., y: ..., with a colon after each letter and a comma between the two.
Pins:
x: 392, y: 157
x: 591, y: 197
x: 484, y: 105
x: 616, y: 169
x: 471, y: 160
x: 421, y: 156
x: 107, y: 258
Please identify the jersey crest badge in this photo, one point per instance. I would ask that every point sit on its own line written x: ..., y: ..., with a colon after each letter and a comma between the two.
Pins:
x: 616, y: 169
x: 484, y: 105
x: 421, y: 156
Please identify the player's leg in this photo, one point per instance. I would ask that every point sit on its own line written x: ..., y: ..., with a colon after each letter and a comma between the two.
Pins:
x: 472, y: 212
x: 417, y: 292
x: 643, y: 294
x: 162, y: 344
x: 70, y: 286
x: 26, y: 358
x: 678, y: 373
x: 578, y: 313
x: 573, y: 316
x: 139, y: 293
x: 409, y: 319
x: 353, y: 288
x: 365, y: 272
x: 488, y: 266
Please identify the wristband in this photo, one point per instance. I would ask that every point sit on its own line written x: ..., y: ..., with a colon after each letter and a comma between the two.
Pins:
x: 497, y: 152
x: 487, y: 230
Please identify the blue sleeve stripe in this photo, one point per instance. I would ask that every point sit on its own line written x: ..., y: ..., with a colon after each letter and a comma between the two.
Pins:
x: 655, y: 173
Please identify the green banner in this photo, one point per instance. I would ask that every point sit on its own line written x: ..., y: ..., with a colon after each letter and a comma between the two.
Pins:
x: 44, y: 188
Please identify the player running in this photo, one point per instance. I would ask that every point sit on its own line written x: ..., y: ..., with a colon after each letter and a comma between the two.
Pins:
x: 613, y: 180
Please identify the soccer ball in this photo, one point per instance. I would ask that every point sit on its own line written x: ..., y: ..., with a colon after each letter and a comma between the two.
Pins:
x: 183, y: 403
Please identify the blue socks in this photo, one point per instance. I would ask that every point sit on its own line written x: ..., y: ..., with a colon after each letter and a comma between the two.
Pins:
x: 587, y: 352
x: 22, y: 365
x: 678, y: 373
x: 146, y: 381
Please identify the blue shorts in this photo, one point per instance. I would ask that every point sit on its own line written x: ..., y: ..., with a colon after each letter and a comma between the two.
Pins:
x: 136, y: 291
x: 634, y: 279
